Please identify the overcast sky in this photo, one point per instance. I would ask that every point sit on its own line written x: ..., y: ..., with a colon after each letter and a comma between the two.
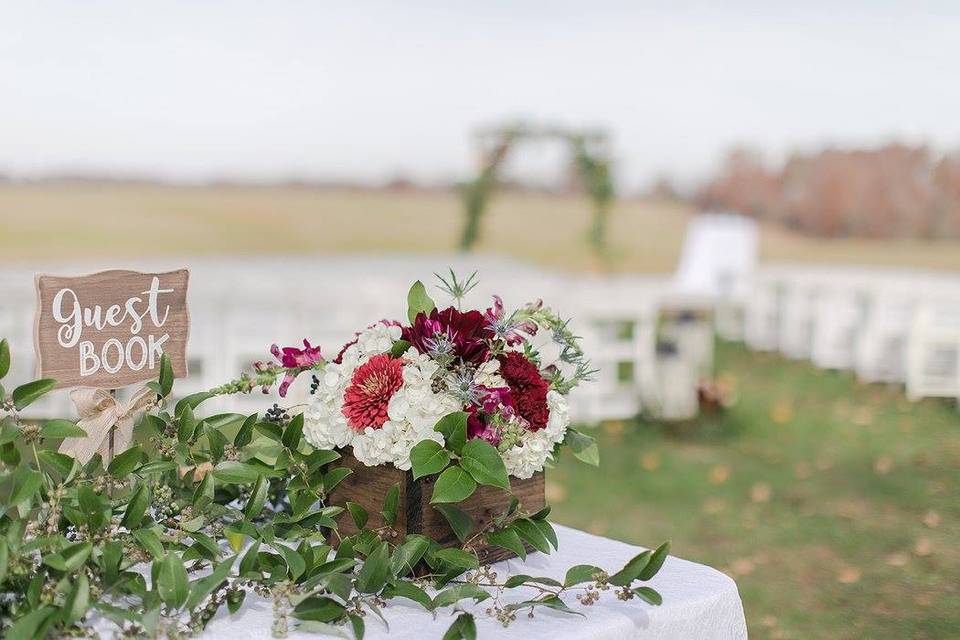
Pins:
x: 368, y: 90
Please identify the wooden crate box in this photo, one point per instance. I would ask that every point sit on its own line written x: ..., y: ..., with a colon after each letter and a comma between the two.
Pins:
x: 367, y: 486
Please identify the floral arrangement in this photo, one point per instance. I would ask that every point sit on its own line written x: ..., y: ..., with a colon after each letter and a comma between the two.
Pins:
x: 386, y: 390
x: 200, y: 514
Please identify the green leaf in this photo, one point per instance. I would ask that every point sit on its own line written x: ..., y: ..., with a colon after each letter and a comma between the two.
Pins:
x: 26, y: 627
x: 25, y: 394
x: 631, y: 570
x: 399, y: 348
x: 25, y: 484
x: 61, y: 429
x: 205, y: 491
x: 584, y: 447
x: 457, y: 558
x: 4, y: 357
x: 293, y: 432
x: 4, y: 559
x: 187, y: 424
x: 157, y: 466
x: 549, y: 601
x: 192, y: 401
x: 358, y: 626
x: 649, y: 595
x: 407, y: 589
x: 77, y: 601
x: 656, y: 561
x: 508, y: 539
x: 460, y: 592
x: 245, y: 433
x: 519, y: 579
x: 258, y: 497
x: 375, y: 570
x: 334, y: 477
x: 581, y: 573
x: 232, y: 472
x: 428, y: 457
x: 150, y: 541
x: 482, y: 461
x: 166, y: 376
x: 463, y: 628
x: 453, y: 426
x: 205, y: 586
x: 453, y: 485
x: 249, y: 561
x: 358, y: 514
x: 295, y: 562
x: 123, y: 464
x: 390, y: 504
x: 418, y: 302
x: 547, y: 530
x: 460, y: 522
x: 70, y: 558
x: 319, y: 609
x: 172, y: 582
x: 531, y: 533
x: 408, y: 554
x: 136, y: 507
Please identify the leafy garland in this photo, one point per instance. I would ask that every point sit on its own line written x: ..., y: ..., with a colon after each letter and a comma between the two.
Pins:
x: 212, y: 509
x: 591, y: 163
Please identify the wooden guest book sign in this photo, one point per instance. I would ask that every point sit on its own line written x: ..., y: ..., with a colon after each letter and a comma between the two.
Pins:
x: 109, y: 329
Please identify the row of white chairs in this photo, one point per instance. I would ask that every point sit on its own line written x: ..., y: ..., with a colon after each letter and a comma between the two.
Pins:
x: 887, y: 325
x: 239, y: 308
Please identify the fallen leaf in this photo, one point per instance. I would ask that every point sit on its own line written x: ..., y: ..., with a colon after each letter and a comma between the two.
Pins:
x: 760, y: 492
x: 862, y: 416
x: 849, y: 575
x: 802, y: 470
x: 923, y: 547
x: 883, y: 465
x: 897, y: 559
x: 713, y: 506
x: 742, y: 566
x: 781, y: 412
x: 719, y: 474
x: 932, y: 519
x: 650, y: 461
x: 613, y: 427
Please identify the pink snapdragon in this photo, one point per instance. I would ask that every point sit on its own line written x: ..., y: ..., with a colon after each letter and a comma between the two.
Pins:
x: 295, y: 361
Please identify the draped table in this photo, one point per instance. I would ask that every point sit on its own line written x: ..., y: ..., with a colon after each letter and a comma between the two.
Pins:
x: 698, y: 603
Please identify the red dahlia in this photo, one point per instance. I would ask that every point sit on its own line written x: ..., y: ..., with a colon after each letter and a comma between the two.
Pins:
x: 527, y: 388
x: 373, y: 384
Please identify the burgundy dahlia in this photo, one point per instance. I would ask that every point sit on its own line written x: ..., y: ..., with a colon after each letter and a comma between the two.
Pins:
x: 373, y: 384
x: 527, y: 388
x: 463, y: 334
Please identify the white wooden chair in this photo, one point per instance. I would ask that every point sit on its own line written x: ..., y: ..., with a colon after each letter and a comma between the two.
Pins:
x: 718, y: 260
x: 933, y: 347
x: 839, y: 312
x: 762, y: 314
x: 881, y: 351
x: 796, y: 315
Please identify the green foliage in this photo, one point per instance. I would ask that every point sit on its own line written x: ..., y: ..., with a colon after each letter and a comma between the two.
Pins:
x: 218, y: 507
x: 418, y: 301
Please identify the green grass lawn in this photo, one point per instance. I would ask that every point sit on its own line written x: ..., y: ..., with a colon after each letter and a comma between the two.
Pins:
x: 833, y: 504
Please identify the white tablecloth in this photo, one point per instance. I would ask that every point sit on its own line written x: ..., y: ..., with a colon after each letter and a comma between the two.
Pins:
x: 698, y: 603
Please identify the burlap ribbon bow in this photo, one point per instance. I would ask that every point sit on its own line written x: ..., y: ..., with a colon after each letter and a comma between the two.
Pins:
x: 99, y: 413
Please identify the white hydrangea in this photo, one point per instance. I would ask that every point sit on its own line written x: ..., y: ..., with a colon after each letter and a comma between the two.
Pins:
x: 488, y: 375
x: 529, y: 457
x: 324, y: 425
x: 377, y: 339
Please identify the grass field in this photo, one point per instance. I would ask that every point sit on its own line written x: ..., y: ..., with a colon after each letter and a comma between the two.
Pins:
x: 833, y: 504
x: 77, y: 220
